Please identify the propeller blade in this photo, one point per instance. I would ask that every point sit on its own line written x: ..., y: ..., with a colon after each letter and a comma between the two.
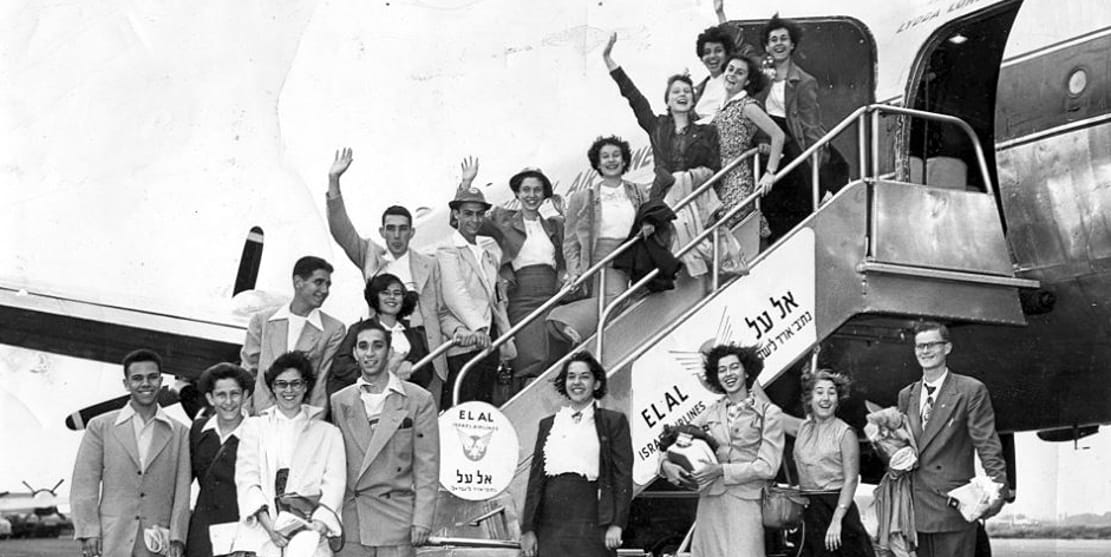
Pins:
x: 77, y: 420
x: 249, y: 262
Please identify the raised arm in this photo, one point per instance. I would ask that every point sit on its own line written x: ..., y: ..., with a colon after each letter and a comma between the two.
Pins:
x: 637, y: 102
x: 719, y: 10
x: 339, y: 223
x: 753, y: 112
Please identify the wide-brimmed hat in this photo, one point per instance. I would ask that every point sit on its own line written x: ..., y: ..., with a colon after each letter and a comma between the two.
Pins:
x: 468, y: 195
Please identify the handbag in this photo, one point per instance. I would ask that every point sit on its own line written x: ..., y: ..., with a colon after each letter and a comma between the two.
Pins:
x: 781, y: 506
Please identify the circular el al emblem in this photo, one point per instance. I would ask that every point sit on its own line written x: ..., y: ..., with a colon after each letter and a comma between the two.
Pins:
x: 473, y: 190
x: 478, y: 451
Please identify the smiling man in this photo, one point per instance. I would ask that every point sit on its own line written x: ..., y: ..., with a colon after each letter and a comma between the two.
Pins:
x: 951, y: 417
x: 132, y: 471
x: 391, y: 438
x: 299, y: 325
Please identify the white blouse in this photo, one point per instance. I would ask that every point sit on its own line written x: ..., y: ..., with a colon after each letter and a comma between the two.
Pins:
x: 776, y: 103
x: 537, y: 249
x: 617, y: 213
x: 573, y: 448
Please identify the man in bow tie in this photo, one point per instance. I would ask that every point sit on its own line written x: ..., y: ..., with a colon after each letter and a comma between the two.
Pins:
x: 951, y: 417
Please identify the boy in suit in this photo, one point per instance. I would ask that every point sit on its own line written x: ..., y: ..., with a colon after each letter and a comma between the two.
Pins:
x: 301, y: 326
x: 951, y: 417
x: 391, y: 437
x: 132, y: 471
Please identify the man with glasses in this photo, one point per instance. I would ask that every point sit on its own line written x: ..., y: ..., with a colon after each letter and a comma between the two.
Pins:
x: 951, y: 417
x: 132, y: 471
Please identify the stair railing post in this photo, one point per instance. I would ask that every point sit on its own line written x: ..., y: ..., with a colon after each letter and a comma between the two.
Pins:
x: 715, y: 279
x: 862, y: 144
x: 600, y: 291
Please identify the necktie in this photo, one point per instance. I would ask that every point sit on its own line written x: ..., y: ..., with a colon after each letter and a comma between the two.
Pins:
x: 577, y: 417
x: 929, y: 407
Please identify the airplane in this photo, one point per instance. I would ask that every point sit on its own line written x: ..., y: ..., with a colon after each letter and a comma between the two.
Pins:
x: 163, y: 167
x: 35, y: 513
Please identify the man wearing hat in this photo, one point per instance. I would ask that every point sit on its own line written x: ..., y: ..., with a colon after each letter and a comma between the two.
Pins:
x: 473, y: 298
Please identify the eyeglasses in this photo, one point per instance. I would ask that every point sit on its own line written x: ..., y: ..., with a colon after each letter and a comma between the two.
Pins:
x: 283, y: 385
x: 930, y: 345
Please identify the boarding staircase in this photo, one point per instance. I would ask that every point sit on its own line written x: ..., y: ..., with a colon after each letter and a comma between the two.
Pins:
x: 878, y: 249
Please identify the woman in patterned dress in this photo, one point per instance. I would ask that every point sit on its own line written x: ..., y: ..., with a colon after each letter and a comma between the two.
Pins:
x: 737, y: 124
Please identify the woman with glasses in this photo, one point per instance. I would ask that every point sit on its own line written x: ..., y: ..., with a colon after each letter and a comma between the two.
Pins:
x: 288, y: 450
x: 749, y: 431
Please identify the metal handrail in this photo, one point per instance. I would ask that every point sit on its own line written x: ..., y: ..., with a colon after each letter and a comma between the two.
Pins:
x: 812, y: 154
x: 434, y: 354
x: 587, y: 275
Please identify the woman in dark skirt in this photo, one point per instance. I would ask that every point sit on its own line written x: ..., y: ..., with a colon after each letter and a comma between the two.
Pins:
x: 827, y: 454
x: 581, y: 480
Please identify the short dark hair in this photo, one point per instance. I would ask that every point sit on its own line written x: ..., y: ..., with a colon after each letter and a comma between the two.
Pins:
x: 757, y: 79
x: 519, y: 178
x: 308, y: 265
x: 370, y: 325
x: 141, y: 355
x: 225, y: 370
x: 793, y: 30
x: 594, y: 154
x: 671, y: 80
x: 716, y: 34
x: 378, y: 284
x: 749, y: 357
x: 924, y: 326
x: 292, y: 360
x: 399, y: 211
x: 596, y: 370
x: 810, y: 380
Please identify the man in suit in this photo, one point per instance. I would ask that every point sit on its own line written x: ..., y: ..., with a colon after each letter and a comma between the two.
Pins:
x: 474, y: 298
x: 132, y: 471
x: 301, y: 326
x: 951, y: 417
x: 417, y: 271
x: 391, y: 437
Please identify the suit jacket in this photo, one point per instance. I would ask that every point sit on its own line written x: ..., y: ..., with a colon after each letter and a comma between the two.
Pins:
x: 370, y: 258
x: 804, y: 116
x: 584, y: 221
x: 113, y: 498
x: 393, y: 472
x: 214, y: 470
x: 507, y: 226
x: 962, y: 422
x: 266, y: 340
x: 315, y: 469
x: 473, y: 293
x: 750, y: 455
x: 615, y: 471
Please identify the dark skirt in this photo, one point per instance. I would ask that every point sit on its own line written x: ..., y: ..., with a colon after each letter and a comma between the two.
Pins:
x: 569, y: 519
x: 534, y: 285
x: 817, y: 516
x: 790, y: 200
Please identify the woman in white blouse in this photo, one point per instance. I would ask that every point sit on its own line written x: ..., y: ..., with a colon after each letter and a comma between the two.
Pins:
x: 581, y: 480
x: 599, y: 219
x: 286, y: 450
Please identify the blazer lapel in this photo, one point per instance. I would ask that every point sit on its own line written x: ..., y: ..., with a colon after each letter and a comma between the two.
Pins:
x: 160, y: 437
x: 278, y: 330
x: 478, y: 267
x: 354, y: 413
x: 914, y: 413
x: 388, y: 423
x: 421, y: 269
x: 125, y: 434
x: 310, y: 335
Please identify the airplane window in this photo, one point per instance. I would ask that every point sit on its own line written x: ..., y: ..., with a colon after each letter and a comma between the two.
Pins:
x: 1078, y: 81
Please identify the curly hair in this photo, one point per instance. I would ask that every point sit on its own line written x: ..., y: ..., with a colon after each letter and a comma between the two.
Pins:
x: 519, y: 178
x: 750, y: 359
x: 776, y: 23
x: 716, y: 34
x: 596, y: 369
x: 810, y: 381
x: 594, y: 154
x: 292, y: 360
x: 757, y: 79
x: 224, y: 370
x: 378, y: 284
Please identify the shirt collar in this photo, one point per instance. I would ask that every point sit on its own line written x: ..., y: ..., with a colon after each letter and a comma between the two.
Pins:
x: 460, y: 242
x: 936, y: 384
x: 127, y: 412
x: 210, y: 425
x: 735, y: 98
x: 308, y: 412
x: 587, y: 412
x: 313, y: 317
x: 389, y: 257
x: 392, y: 384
